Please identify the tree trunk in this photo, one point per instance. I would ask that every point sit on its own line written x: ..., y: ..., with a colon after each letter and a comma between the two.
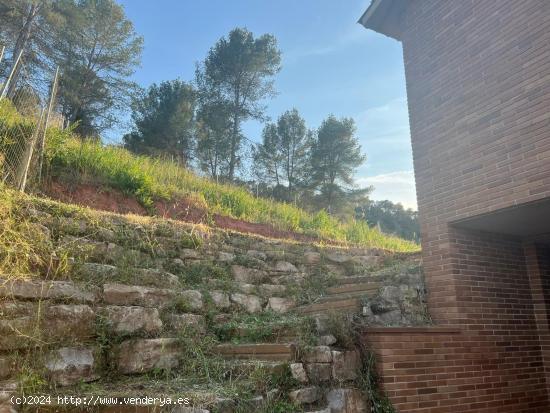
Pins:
x: 234, y: 138
x: 20, y: 45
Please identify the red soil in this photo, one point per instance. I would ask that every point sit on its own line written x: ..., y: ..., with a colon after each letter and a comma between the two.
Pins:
x: 95, y: 197
x: 113, y: 200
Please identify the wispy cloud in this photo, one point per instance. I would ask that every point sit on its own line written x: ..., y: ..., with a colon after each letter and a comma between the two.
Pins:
x: 352, y: 35
x: 398, y: 186
x: 388, y: 123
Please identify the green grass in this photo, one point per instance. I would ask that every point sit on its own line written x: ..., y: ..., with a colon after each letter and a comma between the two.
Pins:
x: 149, y: 179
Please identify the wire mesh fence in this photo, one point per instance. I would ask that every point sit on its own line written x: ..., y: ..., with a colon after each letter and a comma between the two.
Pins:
x: 26, y: 110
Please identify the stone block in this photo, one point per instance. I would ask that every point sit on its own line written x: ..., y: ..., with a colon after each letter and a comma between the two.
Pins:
x: 92, y: 269
x: 246, y: 288
x: 64, y: 322
x: 327, y: 410
x: 345, y: 365
x: 248, y: 275
x: 220, y: 299
x: 326, y: 340
x: 270, y: 290
x: 298, y: 372
x: 6, y: 367
x: 131, y: 320
x: 312, y: 258
x: 143, y: 355
x: 317, y: 354
x: 284, y: 266
x: 192, y: 299
x: 43, y: 290
x: 338, y: 257
x: 251, y: 303
x: 188, y: 409
x: 121, y: 294
x: 347, y: 401
x: 71, y: 365
x: 319, y: 372
x: 154, y: 276
x: 25, y: 324
x: 280, y: 305
x: 306, y: 395
x: 189, y: 254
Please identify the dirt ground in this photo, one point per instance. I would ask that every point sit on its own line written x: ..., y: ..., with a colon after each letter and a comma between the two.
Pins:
x: 113, y: 200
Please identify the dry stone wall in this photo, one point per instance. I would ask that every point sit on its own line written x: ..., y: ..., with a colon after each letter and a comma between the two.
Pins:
x: 196, y: 309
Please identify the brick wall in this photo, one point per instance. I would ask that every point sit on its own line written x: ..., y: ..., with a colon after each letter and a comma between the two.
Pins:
x: 437, y: 370
x: 478, y: 84
x: 538, y: 266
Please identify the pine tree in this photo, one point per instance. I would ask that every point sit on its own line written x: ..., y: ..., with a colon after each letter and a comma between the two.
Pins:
x: 335, y: 156
x: 238, y: 72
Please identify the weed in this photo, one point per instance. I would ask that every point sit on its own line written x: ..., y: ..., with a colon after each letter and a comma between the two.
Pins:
x: 30, y: 381
x: 312, y: 287
x: 200, y: 272
x: 199, y: 361
x: 342, y: 327
x: 26, y: 248
x: 106, y: 343
x: 368, y: 381
x: 250, y: 262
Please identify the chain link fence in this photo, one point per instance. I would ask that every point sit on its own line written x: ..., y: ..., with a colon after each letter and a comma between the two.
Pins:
x: 26, y: 111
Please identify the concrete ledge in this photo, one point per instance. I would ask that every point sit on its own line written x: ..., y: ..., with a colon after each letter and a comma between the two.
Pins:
x: 412, y: 330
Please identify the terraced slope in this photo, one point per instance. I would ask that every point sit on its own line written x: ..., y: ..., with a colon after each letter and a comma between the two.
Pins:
x: 131, y: 307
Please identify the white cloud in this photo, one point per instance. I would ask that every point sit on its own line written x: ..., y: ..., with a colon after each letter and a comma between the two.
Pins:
x: 353, y: 34
x: 396, y: 186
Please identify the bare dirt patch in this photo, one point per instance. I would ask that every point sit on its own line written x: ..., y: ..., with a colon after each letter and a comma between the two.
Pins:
x: 113, y: 200
x: 94, y: 196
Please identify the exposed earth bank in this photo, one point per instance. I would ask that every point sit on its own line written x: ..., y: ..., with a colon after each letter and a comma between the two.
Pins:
x: 113, y: 200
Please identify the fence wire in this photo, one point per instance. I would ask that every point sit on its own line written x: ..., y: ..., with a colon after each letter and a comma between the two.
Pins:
x: 23, y: 116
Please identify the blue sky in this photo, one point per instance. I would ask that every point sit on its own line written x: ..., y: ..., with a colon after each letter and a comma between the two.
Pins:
x: 330, y: 64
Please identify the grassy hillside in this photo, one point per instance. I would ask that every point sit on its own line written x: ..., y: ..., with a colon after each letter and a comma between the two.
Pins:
x: 149, y: 179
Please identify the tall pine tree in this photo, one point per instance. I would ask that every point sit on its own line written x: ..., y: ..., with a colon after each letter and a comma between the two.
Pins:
x: 335, y: 156
x: 238, y: 73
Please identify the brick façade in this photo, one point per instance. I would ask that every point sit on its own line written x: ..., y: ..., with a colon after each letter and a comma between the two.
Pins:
x: 478, y: 85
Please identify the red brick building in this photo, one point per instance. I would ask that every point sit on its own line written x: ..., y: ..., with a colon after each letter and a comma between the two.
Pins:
x: 478, y: 84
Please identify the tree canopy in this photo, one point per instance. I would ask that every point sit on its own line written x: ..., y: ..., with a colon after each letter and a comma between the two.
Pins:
x: 335, y: 156
x: 98, y: 50
x: 391, y: 218
x: 163, y: 119
x: 199, y: 124
x: 282, y: 159
x: 238, y: 74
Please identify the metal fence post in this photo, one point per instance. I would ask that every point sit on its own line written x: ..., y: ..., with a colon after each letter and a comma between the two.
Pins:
x: 7, y: 84
x: 23, y: 169
x: 46, y: 123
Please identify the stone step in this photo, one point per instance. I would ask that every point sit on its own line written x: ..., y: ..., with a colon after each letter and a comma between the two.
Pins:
x: 356, y: 279
x: 339, y: 305
x: 245, y: 367
x: 266, y: 352
x: 359, y: 289
x: 279, y: 334
x: 35, y: 289
x: 345, y: 296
